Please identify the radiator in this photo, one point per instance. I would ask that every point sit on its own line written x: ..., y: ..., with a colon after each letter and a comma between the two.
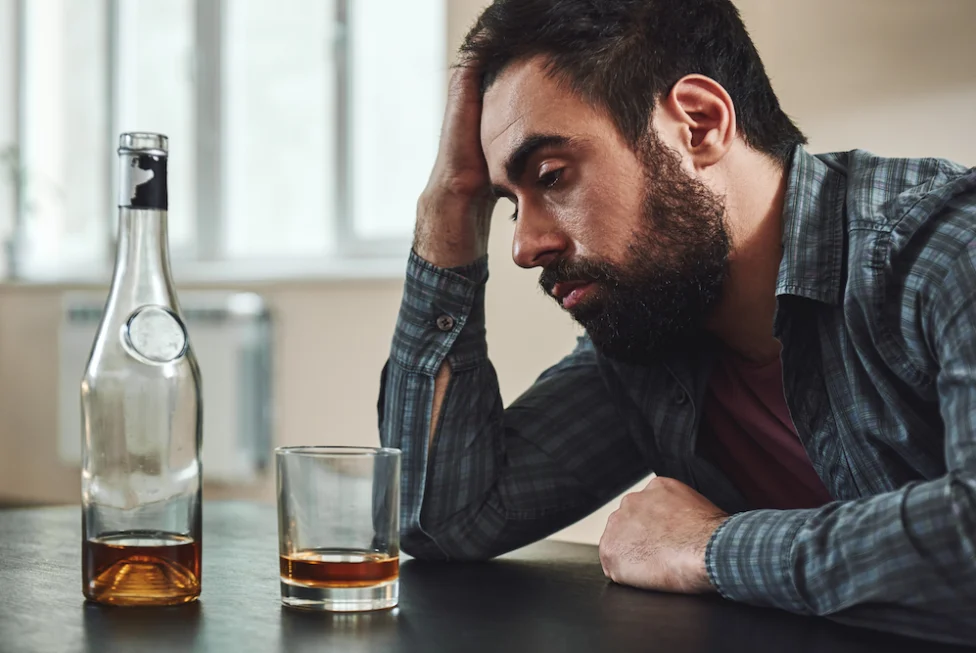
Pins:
x: 230, y: 333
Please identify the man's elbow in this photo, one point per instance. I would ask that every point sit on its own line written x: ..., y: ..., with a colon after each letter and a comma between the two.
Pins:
x: 421, y: 546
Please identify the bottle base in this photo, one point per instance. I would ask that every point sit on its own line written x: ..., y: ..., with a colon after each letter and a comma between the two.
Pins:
x: 134, y: 569
x: 124, y: 601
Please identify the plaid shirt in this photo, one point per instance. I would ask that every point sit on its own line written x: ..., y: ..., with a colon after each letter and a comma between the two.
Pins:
x: 876, y: 313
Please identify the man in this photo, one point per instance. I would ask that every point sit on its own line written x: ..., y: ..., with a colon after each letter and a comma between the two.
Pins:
x: 786, y: 340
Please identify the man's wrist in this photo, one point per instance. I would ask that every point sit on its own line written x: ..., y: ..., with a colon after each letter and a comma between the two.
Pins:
x: 475, y: 272
x: 452, y: 229
x: 704, y: 583
x: 710, y: 555
x: 446, y: 257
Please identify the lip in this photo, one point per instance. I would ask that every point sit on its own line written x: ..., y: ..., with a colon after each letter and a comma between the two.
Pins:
x: 571, y: 293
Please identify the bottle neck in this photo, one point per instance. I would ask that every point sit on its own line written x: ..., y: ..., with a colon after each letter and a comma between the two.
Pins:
x: 142, y: 270
x: 142, y: 274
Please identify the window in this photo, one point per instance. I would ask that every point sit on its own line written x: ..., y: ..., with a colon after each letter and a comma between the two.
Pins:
x: 301, y: 131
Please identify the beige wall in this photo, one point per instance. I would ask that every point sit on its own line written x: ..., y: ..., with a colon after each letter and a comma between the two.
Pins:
x: 892, y: 76
x: 895, y: 77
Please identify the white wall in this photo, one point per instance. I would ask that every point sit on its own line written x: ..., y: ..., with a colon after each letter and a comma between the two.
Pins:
x: 892, y: 76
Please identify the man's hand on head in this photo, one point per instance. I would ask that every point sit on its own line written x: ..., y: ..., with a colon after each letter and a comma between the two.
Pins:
x: 656, y: 540
x: 454, y: 211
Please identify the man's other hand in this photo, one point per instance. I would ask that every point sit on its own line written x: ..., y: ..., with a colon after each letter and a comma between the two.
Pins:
x: 656, y: 540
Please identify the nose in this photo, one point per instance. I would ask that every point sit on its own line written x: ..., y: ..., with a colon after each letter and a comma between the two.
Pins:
x: 538, y: 241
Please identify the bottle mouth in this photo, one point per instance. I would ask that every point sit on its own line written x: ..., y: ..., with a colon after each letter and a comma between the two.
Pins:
x: 144, y: 143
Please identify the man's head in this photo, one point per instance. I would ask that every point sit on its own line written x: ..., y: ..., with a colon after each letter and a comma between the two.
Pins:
x: 612, y: 124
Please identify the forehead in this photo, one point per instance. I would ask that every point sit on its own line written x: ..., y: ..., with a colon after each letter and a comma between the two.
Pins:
x: 525, y: 100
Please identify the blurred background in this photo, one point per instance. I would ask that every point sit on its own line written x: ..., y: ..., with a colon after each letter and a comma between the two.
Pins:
x: 301, y: 133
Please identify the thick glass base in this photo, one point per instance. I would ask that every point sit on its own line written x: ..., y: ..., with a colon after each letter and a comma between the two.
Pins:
x: 141, y: 568
x: 341, y: 599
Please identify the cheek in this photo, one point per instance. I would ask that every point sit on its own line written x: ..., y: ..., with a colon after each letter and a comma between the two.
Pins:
x: 600, y: 217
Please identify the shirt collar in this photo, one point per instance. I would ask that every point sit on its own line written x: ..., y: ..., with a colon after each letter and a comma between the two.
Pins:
x: 813, y: 229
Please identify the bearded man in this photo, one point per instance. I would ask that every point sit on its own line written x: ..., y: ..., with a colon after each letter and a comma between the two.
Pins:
x: 787, y: 340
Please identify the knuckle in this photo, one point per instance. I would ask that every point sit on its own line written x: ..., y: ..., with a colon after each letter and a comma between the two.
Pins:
x: 663, y: 483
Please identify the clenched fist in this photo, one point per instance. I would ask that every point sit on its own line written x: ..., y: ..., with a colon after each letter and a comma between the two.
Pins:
x: 656, y: 540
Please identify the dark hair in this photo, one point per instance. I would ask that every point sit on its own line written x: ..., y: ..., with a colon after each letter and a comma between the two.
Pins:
x: 622, y: 55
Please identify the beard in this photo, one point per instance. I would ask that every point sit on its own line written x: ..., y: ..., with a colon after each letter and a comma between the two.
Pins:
x: 659, y: 299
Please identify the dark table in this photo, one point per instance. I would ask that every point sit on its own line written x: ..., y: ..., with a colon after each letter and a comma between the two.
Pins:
x: 547, y: 597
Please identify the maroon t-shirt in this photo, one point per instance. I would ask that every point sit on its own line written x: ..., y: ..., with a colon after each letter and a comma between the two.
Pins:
x: 751, y: 437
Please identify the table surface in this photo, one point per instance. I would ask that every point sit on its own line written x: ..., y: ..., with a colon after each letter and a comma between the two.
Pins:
x: 550, y: 596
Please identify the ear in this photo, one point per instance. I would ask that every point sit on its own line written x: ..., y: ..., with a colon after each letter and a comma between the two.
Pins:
x: 699, y: 117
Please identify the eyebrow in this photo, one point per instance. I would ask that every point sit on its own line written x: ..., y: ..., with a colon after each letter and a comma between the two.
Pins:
x: 519, y: 159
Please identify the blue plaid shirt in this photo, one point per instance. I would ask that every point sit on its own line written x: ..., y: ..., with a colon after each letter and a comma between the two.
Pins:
x: 876, y: 314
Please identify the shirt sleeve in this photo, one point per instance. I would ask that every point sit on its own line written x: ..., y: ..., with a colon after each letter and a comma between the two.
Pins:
x: 495, y: 478
x: 902, y: 561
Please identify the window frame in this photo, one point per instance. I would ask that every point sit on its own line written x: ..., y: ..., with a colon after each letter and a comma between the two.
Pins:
x: 353, y: 257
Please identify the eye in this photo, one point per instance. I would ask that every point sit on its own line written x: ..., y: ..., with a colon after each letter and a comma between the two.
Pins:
x: 549, y: 179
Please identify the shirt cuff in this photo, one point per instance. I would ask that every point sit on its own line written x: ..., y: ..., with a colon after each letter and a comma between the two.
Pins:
x: 749, y: 558
x: 442, y: 316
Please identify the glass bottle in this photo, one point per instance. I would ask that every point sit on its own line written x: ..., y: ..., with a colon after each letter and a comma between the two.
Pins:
x: 141, y: 411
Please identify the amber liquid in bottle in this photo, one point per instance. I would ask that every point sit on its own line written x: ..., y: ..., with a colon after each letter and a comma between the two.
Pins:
x: 142, y: 569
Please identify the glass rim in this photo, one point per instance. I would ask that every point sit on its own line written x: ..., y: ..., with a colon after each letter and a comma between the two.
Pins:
x: 329, y: 451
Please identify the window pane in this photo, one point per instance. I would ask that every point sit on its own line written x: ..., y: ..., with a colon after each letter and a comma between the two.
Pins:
x: 397, y: 79
x: 65, y: 207
x: 274, y: 115
x: 154, y: 92
x: 278, y: 117
x: 9, y: 25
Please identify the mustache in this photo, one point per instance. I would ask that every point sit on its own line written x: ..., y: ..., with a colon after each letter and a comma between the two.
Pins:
x: 566, y: 270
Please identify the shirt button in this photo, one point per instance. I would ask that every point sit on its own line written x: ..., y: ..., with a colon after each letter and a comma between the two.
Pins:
x: 445, y: 323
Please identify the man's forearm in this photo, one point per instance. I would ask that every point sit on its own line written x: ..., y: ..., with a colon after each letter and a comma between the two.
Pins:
x: 441, y: 382
x: 440, y: 329
x: 452, y: 230
x: 907, y: 554
x: 492, y: 479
